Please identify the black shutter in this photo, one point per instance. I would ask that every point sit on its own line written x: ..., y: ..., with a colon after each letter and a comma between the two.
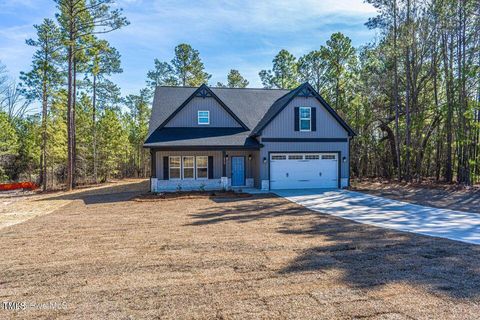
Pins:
x: 314, y: 119
x: 165, y: 169
x: 297, y: 118
x: 210, y: 167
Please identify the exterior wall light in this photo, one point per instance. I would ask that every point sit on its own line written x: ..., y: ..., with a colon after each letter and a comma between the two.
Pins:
x: 264, y: 159
x: 344, y: 159
x: 249, y: 157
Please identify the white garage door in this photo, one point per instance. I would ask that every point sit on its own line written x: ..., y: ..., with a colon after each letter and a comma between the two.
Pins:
x: 301, y: 171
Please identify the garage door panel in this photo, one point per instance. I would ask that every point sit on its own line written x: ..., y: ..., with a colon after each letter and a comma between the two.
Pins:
x: 300, y: 171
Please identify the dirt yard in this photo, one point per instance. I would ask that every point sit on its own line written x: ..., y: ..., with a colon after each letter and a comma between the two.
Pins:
x: 19, y: 207
x: 447, y: 197
x: 104, y: 255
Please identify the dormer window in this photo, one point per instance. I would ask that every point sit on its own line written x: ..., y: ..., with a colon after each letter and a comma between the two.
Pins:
x: 305, y: 119
x: 203, y: 117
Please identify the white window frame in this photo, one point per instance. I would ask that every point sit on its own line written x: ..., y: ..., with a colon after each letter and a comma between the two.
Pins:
x: 198, y: 167
x: 170, y: 168
x: 199, y: 117
x: 309, y: 118
x: 184, y: 167
x: 295, y: 157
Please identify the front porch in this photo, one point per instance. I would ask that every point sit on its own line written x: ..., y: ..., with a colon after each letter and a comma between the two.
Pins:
x: 200, y: 169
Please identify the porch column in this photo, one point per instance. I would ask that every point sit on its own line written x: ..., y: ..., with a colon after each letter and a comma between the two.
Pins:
x: 224, y: 179
x: 224, y: 164
x: 153, y: 171
x: 153, y: 164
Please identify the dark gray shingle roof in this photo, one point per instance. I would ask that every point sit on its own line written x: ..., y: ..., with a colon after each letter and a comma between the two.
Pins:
x: 250, y: 105
x: 180, y: 136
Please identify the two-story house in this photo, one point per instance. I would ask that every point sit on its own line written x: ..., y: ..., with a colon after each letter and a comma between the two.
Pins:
x: 214, y: 138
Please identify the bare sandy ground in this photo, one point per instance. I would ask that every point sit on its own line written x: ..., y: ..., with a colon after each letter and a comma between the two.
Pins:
x: 437, y: 197
x: 108, y: 256
x: 16, y: 208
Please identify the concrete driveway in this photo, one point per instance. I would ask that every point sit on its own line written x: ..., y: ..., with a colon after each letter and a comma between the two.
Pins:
x: 387, y: 213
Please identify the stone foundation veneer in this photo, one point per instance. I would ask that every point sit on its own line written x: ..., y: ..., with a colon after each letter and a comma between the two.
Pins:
x: 249, y: 182
x: 153, y: 184
x: 176, y: 185
x: 225, y: 183
x: 265, y: 185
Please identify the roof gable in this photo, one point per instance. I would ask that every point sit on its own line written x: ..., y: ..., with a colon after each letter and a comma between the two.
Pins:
x: 248, y: 104
x: 304, y: 90
x: 204, y: 92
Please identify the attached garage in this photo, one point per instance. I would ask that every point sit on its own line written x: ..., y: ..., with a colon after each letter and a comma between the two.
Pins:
x: 304, y: 170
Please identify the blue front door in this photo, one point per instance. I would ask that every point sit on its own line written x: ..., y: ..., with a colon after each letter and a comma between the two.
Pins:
x: 238, y: 171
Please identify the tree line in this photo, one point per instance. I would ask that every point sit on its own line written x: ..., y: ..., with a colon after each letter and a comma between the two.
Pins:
x: 413, y: 95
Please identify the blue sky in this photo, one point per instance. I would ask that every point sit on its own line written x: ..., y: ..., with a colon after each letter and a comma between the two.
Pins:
x: 231, y: 34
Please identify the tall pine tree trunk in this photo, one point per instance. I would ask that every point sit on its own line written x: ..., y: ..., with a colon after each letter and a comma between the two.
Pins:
x: 70, y: 98
x: 397, y: 111
x: 94, y: 104
x: 74, y: 124
x: 407, y: 98
x: 44, y: 132
x: 447, y: 52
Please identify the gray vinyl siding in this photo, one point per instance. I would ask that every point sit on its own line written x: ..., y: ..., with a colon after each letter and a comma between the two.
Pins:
x: 252, y: 169
x: 305, y: 147
x: 282, y: 126
x: 187, y: 117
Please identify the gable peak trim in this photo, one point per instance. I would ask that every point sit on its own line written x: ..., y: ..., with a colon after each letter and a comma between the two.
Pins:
x: 204, y: 92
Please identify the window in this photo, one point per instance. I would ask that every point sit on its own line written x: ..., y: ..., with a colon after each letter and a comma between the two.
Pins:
x: 295, y: 157
x: 174, y: 165
x: 329, y: 157
x: 279, y: 157
x: 188, y: 168
x: 203, y: 117
x: 305, y: 119
x: 202, y: 167
x: 312, y: 157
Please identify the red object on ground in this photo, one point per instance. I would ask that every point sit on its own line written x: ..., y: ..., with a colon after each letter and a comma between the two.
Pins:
x: 18, y: 185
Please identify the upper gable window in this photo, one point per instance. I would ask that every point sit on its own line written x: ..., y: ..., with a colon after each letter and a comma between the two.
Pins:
x: 305, y: 119
x: 203, y: 117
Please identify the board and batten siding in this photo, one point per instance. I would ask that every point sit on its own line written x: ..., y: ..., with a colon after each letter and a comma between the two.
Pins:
x: 187, y: 117
x: 283, y: 126
x: 251, y: 167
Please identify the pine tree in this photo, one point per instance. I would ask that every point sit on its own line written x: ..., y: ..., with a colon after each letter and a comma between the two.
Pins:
x: 284, y: 74
x: 188, y: 67
x: 44, y: 78
x: 79, y: 20
x: 234, y: 80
